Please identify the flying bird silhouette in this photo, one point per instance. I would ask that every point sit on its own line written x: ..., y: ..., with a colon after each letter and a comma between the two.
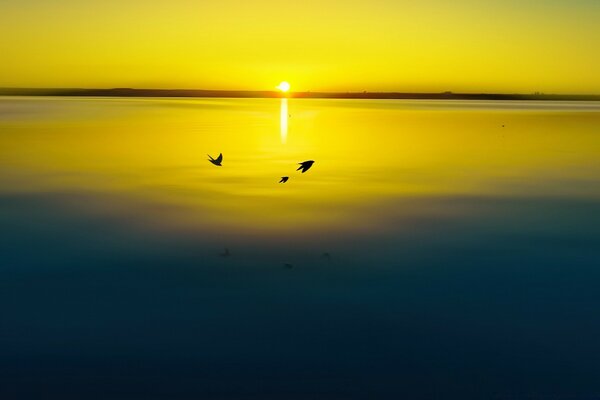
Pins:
x: 326, y: 256
x: 216, y: 161
x: 284, y: 179
x: 305, y: 166
x: 288, y: 265
x: 225, y: 253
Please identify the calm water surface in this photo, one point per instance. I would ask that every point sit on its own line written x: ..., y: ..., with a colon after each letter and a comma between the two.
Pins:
x: 463, y: 242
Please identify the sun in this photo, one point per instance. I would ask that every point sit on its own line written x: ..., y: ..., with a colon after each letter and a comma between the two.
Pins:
x: 284, y: 86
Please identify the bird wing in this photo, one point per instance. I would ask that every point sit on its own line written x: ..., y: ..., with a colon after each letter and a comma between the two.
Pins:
x: 220, y: 158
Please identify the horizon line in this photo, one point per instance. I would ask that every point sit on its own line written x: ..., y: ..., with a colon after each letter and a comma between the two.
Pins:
x: 365, y: 94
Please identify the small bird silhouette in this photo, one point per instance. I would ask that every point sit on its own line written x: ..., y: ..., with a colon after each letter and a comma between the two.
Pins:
x: 305, y: 166
x: 216, y: 161
x: 326, y: 256
x: 284, y: 179
x: 288, y: 266
x: 225, y: 253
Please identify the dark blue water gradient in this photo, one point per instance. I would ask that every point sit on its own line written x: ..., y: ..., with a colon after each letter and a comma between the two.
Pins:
x: 497, y: 299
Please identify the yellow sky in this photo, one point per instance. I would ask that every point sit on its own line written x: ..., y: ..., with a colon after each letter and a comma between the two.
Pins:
x: 387, y: 45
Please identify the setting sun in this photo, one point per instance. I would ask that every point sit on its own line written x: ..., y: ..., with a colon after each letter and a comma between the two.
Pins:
x: 284, y: 86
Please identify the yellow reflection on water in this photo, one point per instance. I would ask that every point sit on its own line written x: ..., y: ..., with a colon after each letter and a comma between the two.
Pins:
x: 367, y: 154
x: 283, y: 118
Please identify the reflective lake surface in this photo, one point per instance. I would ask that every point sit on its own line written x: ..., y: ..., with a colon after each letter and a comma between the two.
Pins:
x: 436, y: 249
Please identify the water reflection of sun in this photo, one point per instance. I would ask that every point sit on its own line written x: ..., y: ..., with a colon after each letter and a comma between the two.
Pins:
x: 283, y: 118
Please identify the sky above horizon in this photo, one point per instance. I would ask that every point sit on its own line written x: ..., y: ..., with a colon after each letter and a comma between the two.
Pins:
x: 505, y: 46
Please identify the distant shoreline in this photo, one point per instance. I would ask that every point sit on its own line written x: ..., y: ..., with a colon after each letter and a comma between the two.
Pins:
x: 129, y: 92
